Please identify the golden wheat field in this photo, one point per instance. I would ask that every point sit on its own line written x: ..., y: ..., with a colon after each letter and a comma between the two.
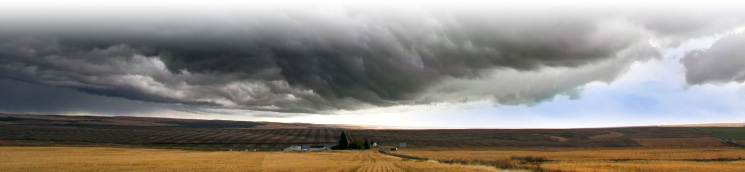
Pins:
x: 131, y: 159
x: 136, y: 159
x: 713, y: 159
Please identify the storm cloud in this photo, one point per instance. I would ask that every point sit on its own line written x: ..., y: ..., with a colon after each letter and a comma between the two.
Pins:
x: 333, y: 58
x: 723, y: 62
x: 41, y: 99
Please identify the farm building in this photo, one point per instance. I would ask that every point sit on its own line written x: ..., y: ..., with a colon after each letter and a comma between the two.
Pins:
x: 402, y: 144
x: 293, y: 148
x: 307, y: 147
x: 318, y: 148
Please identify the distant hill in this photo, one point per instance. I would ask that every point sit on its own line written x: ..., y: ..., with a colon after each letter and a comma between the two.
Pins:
x: 742, y: 124
x: 56, y: 130
x: 129, y: 121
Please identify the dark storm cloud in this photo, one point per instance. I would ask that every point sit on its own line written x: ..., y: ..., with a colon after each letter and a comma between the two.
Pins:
x: 20, y: 97
x: 318, y: 59
x: 723, y: 62
x: 513, y: 87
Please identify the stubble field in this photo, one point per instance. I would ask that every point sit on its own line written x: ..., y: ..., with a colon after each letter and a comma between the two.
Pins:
x: 132, y: 159
x: 699, y: 159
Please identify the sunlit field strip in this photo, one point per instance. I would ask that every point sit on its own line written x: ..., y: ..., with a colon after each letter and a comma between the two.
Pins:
x: 713, y: 159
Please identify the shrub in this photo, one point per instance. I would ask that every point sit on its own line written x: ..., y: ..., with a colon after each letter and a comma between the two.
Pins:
x: 356, y: 144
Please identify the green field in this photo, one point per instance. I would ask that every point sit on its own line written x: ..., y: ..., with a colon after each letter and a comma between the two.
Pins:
x: 730, y: 133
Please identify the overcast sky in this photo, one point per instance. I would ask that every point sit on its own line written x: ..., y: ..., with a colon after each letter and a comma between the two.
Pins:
x: 469, y: 64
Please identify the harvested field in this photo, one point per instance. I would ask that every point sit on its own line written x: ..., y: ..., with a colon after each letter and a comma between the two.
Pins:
x: 715, y: 159
x: 680, y: 142
x: 128, y: 159
x: 671, y: 166
x: 275, y: 139
x: 203, y: 138
x: 484, y: 138
x: 23, y: 130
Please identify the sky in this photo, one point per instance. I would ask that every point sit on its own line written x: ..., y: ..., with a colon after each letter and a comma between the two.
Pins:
x: 420, y: 64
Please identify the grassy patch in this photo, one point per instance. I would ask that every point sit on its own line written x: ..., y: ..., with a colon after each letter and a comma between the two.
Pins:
x: 730, y: 133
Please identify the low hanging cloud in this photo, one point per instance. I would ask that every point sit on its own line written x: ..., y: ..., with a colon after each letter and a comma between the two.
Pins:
x: 723, y: 62
x: 325, y: 59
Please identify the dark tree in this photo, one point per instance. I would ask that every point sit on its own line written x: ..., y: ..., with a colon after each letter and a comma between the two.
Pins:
x: 366, y: 144
x: 343, y: 142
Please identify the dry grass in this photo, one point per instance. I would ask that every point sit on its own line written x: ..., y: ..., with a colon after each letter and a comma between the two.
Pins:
x: 124, y: 159
x: 714, y: 159
x: 645, y: 166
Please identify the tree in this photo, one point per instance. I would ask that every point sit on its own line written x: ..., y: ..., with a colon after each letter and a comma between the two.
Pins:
x: 343, y: 142
x: 356, y: 144
x: 366, y: 144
